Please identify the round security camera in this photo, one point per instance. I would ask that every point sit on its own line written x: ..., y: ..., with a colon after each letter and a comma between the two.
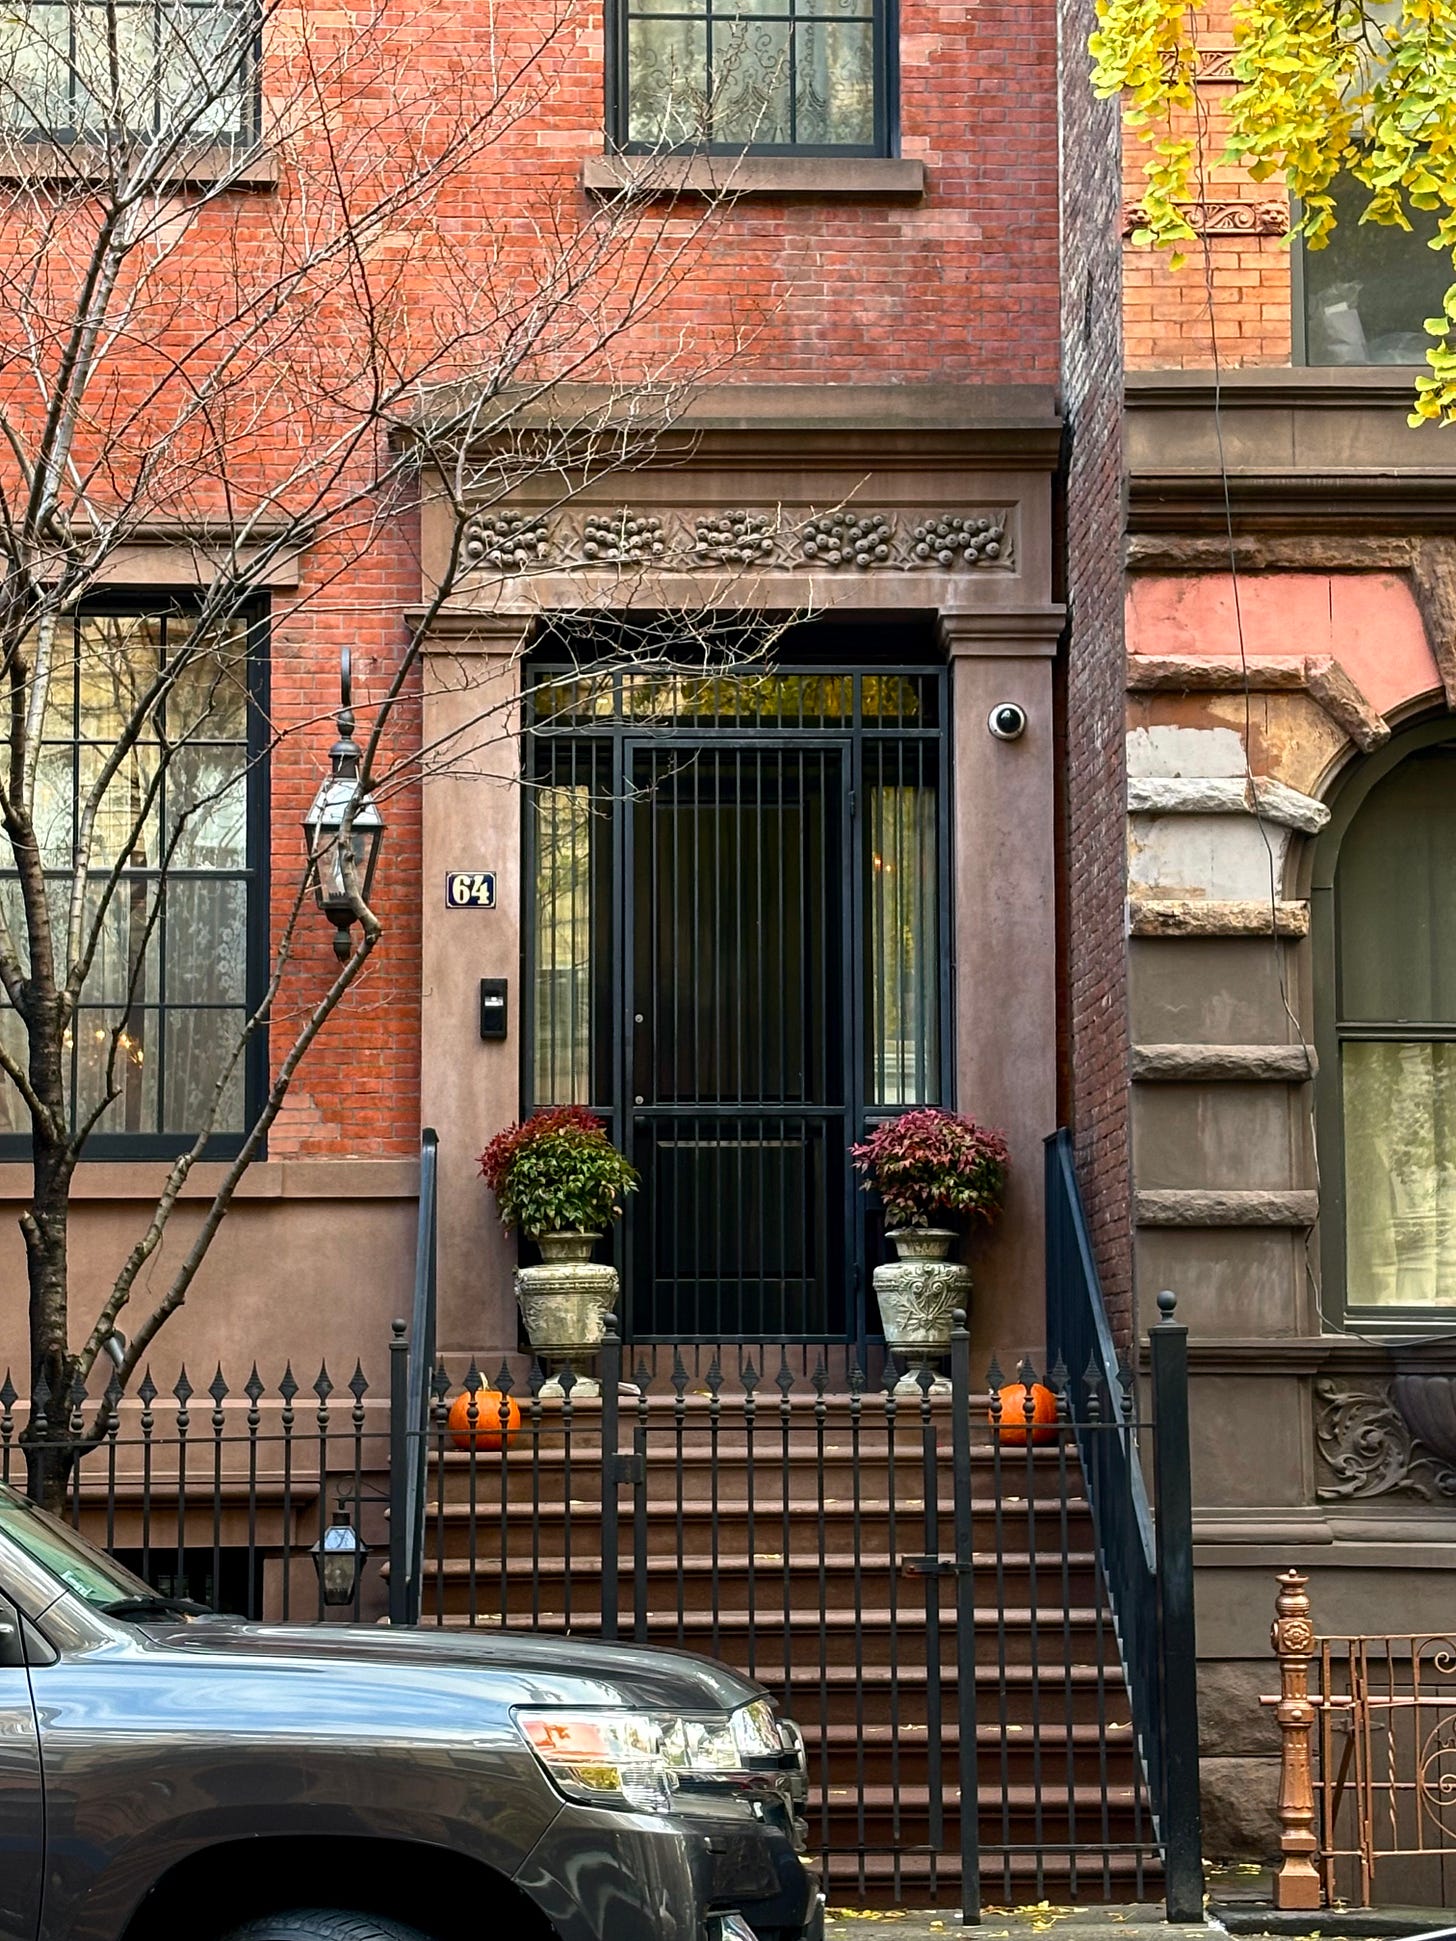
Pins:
x: 1007, y: 721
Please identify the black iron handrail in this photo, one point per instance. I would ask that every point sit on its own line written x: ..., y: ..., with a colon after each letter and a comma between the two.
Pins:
x: 412, y: 1369
x: 1147, y: 1563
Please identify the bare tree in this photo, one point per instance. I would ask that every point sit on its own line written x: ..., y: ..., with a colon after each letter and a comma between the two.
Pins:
x: 254, y: 376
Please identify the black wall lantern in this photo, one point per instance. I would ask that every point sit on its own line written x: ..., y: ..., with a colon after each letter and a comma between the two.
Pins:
x: 339, y: 1557
x: 339, y: 799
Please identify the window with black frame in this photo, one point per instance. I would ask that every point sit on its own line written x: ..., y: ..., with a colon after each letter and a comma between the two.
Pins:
x: 767, y: 76
x: 73, y: 69
x: 173, y: 895
x: 1386, y: 942
x: 1369, y: 290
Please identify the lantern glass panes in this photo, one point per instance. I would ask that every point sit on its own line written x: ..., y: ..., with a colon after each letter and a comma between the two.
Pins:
x: 339, y: 1557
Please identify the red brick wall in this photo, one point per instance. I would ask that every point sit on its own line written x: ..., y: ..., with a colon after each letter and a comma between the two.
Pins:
x: 1095, y: 867
x: 960, y: 286
x: 1242, y: 278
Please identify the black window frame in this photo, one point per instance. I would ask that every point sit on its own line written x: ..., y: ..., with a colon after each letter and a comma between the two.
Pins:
x: 886, y: 138
x: 257, y: 813
x: 246, y: 133
x: 1338, y: 1312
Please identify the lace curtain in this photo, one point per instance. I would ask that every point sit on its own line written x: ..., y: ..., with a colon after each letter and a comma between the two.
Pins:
x: 1400, y: 1173
x: 764, y: 73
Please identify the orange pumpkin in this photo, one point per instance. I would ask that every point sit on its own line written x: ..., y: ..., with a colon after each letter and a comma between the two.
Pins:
x: 497, y: 1418
x: 1013, y: 1424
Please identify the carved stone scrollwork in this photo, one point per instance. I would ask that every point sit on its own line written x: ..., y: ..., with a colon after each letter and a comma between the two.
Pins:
x: 1231, y: 216
x: 1368, y: 1447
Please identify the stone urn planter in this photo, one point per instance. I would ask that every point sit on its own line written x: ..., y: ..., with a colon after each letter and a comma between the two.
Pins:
x: 918, y: 1295
x: 558, y: 1179
x: 929, y: 1166
x: 564, y: 1303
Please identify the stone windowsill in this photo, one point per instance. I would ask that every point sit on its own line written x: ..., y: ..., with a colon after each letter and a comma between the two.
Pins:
x: 81, y: 164
x: 819, y: 177
x: 277, y: 1179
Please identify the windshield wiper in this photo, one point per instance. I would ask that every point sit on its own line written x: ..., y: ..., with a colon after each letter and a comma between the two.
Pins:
x: 155, y: 1607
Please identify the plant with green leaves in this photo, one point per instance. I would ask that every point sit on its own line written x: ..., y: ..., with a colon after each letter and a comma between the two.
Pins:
x: 557, y: 1172
x: 1359, y: 91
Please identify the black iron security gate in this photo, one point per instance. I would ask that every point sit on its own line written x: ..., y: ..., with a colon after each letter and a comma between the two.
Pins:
x: 736, y: 956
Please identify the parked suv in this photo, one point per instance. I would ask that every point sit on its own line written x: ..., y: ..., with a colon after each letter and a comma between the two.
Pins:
x: 165, y: 1772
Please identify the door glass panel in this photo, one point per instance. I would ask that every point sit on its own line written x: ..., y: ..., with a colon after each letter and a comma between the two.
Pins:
x: 902, y: 932
x: 571, y: 832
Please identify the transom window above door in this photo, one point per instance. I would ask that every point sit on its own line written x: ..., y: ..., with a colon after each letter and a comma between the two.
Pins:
x: 767, y: 76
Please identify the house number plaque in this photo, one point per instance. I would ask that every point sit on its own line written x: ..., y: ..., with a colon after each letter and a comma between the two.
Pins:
x: 470, y: 889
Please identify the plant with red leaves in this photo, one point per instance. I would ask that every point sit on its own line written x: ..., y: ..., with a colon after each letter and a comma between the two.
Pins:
x: 557, y: 1172
x: 929, y: 1164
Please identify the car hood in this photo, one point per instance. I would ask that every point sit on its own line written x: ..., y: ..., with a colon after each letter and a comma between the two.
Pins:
x: 637, y: 1675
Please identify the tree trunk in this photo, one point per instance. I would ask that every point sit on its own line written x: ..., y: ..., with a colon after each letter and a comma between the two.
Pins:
x: 50, y: 1446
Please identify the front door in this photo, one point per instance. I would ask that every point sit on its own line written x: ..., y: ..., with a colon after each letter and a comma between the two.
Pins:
x: 739, y: 1117
x: 735, y: 924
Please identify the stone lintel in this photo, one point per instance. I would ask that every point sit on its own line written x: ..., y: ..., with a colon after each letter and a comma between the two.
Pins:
x: 1187, y: 917
x: 1259, y: 795
x: 1249, y: 1064
x: 1258, y: 552
x: 1319, y: 675
x: 1190, y: 1206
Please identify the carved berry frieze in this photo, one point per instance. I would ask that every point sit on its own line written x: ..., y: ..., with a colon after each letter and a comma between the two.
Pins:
x: 839, y: 539
x: 844, y: 541
x: 508, y: 541
x: 622, y: 538
x: 739, y: 538
x: 957, y: 542
x: 1367, y: 1445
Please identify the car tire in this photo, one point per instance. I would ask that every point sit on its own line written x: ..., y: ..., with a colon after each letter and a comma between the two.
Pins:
x: 324, y: 1924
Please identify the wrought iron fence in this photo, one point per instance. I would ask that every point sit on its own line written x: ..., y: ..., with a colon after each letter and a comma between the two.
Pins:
x: 1367, y: 1794
x: 219, y: 1494
x: 909, y: 1563
x: 958, y: 1600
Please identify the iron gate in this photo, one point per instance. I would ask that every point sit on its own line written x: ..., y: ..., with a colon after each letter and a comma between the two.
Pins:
x: 917, y: 1574
x: 738, y: 893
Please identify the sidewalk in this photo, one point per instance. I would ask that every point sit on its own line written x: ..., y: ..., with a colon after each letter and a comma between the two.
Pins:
x: 1134, y: 1923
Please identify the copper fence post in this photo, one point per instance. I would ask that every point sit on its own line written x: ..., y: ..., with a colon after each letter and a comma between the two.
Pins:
x: 1297, y: 1884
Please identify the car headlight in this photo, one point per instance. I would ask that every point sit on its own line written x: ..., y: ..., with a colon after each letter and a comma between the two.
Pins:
x: 756, y: 1731
x: 738, y: 1743
x: 602, y: 1758
x: 701, y: 1745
